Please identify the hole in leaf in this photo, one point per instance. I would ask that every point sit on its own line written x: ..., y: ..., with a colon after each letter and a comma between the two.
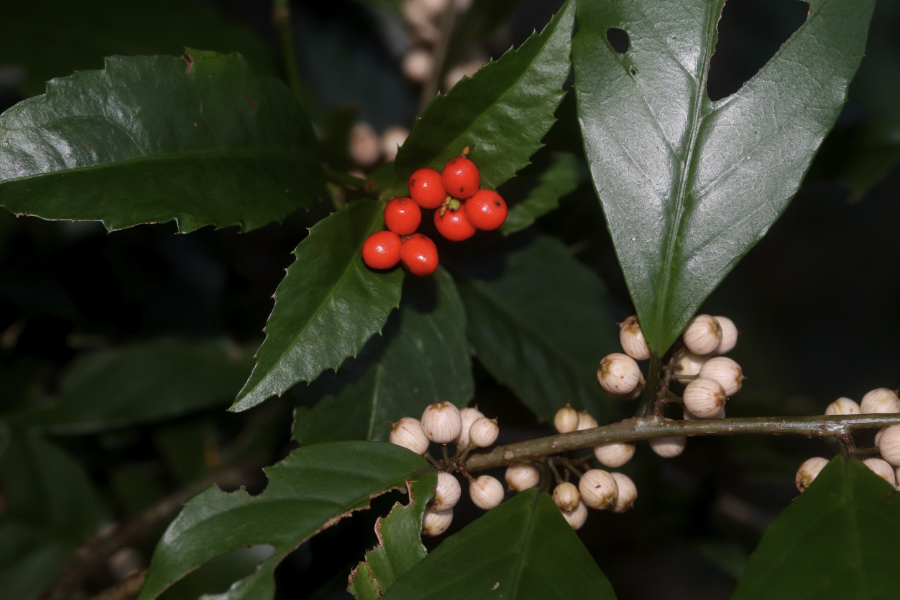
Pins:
x: 618, y: 39
x: 750, y: 33
x: 633, y: 71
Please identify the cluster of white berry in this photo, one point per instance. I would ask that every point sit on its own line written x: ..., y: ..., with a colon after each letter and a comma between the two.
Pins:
x: 596, y: 488
x: 468, y: 428
x: 887, y: 440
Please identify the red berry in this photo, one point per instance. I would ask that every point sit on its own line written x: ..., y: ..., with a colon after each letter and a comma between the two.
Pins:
x: 419, y: 256
x: 454, y: 225
x: 382, y: 250
x: 402, y: 216
x: 426, y: 188
x: 486, y: 210
x: 461, y: 177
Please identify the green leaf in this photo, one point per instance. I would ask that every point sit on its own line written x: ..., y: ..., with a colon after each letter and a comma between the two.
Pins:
x: 311, y: 489
x: 539, y: 323
x: 143, y: 383
x: 53, y: 38
x: 50, y: 506
x: 560, y: 177
x: 399, y: 547
x: 838, y: 539
x: 522, y: 549
x: 326, y: 308
x: 422, y: 357
x: 688, y: 186
x: 503, y: 111
x: 151, y: 139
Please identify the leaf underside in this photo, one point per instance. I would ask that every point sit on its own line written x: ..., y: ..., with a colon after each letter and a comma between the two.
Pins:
x: 521, y: 550
x: 327, y: 307
x: 148, y: 139
x: 837, y: 540
x: 503, y: 111
x: 688, y: 185
x: 311, y: 489
x: 421, y: 357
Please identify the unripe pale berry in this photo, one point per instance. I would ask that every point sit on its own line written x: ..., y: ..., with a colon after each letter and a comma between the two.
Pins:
x: 808, y: 471
x: 484, y: 432
x: 586, y: 421
x: 704, y: 398
x: 632, y: 339
x: 520, y: 477
x: 598, y: 489
x: 888, y: 442
x: 729, y: 336
x: 668, y: 447
x: 446, y: 493
x: 576, y: 518
x: 486, y: 492
x: 365, y: 145
x: 436, y: 522
x: 627, y: 493
x: 725, y: 371
x: 843, y: 406
x: 441, y: 422
x: 618, y: 373
x: 418, y: 65
x: 566, y: 496
x: 882, y: 469
x: 687, y: 416
x: 467, y: 416
x: 566, y: 419
x: 686, y: 363
x: 408, y: 432
x: 614, y: 454
x: 881, y: 400
x: 702, y: 335
x: 391, y: 139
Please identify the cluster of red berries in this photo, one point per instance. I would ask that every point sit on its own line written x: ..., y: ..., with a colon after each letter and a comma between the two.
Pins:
x: 460, y: 206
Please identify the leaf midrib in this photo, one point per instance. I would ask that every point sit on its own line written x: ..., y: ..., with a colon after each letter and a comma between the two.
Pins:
x: 677, y: 223
x: 527, y: 534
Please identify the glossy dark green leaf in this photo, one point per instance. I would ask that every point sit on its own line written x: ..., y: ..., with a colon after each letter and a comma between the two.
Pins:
x: 313, y: 488
x: 838, y: 539
x: 50, y: 506
x: 522, y: 549
x: 559, y: 178
x: 688, y: 186
x: 326, y: 308
x: 53, y: 38
x: 421, y: 357
x: 202, y: 140
x: 399, y: 548
x: 143, y: 383
x: 503, y: 111
x: 539, y: 323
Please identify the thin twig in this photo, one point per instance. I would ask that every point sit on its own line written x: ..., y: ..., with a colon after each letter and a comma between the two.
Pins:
x: 632, y: 430
x: 125, y: 589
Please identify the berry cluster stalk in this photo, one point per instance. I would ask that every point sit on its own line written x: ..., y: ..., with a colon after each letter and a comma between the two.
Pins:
x: 630, y: 430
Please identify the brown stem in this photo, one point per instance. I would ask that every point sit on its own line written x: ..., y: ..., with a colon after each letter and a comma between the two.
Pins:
x: 636, y: 429
x: 125, y: 589
x: 94, y: 554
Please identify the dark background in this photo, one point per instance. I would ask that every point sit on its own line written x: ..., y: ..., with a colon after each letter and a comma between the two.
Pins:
x: 816, y: 301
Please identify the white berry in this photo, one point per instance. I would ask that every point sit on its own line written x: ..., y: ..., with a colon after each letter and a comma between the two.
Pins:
x: 566, y: 419
x: 441, y: 422
x: 888, y: 442
x: 614, y: 454
x: 808, y: 471
x: 704, y: 398
x: 446, y: 493
x: 566, y: 496
x: 668, y: 447
x: 627, y: 493
x: 408, y: 432
x: 486, y: 492
x: 729, y: 336
x: 436, y: 522
x: 686, y: 363
x: 586, y: 421
x: 691, y: 417
x: 843, y: 406
x: 632, y: 339
x: 467, y: 416
x: 703, y: 335
x: 520, y: 477
x: 725, y: 371
x: 881, y: 400
x: 618, y: 373
x: 484, y: 432
x: 598, y: 489
x: 576, y: 518
x: 882, y: 469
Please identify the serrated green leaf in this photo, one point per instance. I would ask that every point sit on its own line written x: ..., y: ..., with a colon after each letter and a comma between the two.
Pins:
x: 837, y: 540
x: 203, y: 141
x: 422, y: 357
x: 327, y: 306
x: 53, y: 38
x: 522, y: 549
x: 50, y: 506
x: 560, y: 177
x: 539, y: 323
x: 311, y: 489
x: 399, y: 547
x: 503, y: 111
x: 143, y: 383
x: 688, y: 186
